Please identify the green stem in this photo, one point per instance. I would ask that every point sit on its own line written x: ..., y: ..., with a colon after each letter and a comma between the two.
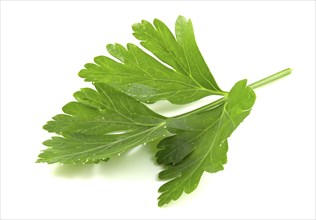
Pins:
x: 271, y: 78
x: 254, y: 85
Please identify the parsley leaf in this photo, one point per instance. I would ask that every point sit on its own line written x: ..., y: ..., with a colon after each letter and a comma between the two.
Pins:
x: 201, y: 142
x: 101, y: 124
x: 141, y: 76
x: 180, y: 52
x: 111, y: 119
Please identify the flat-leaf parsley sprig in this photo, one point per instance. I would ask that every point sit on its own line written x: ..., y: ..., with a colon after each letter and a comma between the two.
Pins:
x: 112, y: 118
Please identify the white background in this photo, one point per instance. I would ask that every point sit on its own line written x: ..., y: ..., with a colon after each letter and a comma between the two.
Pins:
x: 271, y: 160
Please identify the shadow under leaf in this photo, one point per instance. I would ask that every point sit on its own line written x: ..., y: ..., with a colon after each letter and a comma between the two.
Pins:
x: 137, y: 163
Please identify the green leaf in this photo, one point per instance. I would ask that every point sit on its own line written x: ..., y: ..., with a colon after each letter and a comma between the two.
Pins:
x: 200, y: 143
x: 141, y: 76
x: 101, y: 124
x: 112, y: 119
x: 180, y: 52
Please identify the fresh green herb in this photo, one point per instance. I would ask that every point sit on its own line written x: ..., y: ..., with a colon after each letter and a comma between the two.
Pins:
x: 144, y: 78
x: 200, y: 143
x: 113, y: 118
x: 100, y: 125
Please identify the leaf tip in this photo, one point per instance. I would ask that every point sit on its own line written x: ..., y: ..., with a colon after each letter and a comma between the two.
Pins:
x: 136, y: 26
x: 82, y: 73
x: 110, y: 47
x: 160, y: 203
x: 181, y: 19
